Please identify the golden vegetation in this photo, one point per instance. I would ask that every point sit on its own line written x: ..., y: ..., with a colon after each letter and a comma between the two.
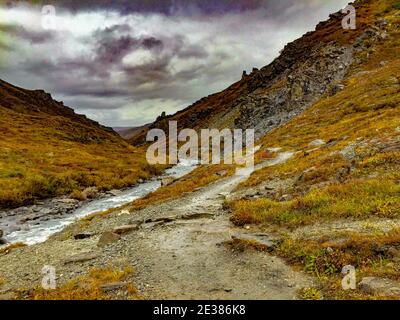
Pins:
x: 372, y: 255
x: 364, y: 116
x: 198, y: 178
x: 354, y: 176
x: 88, y: 287
x: 44, y: 156
x: 8, y: 248
x: 358, y: 199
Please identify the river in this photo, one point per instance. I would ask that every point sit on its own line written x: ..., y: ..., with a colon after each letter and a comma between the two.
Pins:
x: 40, y: 232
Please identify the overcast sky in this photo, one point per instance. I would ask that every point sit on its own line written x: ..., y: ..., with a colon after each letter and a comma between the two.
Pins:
x: 124, y: 62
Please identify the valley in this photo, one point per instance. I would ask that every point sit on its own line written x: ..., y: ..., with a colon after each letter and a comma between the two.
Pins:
x: 324, y: 194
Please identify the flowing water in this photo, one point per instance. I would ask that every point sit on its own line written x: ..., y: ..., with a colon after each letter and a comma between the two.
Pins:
x: 37, y: 233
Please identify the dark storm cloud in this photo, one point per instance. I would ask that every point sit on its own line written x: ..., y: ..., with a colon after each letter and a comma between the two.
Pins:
x: 33, y: 37
x: 123, y: 62
x: 167, y: 7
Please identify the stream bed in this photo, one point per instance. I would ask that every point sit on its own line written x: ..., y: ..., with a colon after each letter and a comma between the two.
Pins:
x: 39, y: 231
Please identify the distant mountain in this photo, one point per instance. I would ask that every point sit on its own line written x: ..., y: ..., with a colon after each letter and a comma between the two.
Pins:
x: 129, y: 132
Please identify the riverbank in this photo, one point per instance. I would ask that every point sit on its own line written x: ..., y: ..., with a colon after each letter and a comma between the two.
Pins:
x: 34, y: 224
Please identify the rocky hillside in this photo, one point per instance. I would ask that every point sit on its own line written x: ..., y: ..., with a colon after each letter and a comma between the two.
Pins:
x: 47, y: 150
x: 336, y: 201
x: 306, y: 69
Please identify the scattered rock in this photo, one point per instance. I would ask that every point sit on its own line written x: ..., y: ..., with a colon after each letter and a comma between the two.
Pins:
x: 115, y: 193
x: 108, y: 238
x: 317, y: 143
x: 83, y: 235
x: 167, y: 181
x: 221, y: 173
x: 125, y: 229
x: 81, y: 257
x: 263, y: 240
x: 68, y: 201
x: 165, y: 219
x: 374, y: 285
x: 89, y: 193
x: 112, y: 286
x: 349, y: 152
x: 193, y: 216
x: 137, y: 222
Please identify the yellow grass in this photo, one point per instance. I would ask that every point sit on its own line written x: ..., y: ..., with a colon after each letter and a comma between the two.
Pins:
x: 88, y: 287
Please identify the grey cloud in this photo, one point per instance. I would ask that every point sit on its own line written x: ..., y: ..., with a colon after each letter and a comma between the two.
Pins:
x: 186, y: 59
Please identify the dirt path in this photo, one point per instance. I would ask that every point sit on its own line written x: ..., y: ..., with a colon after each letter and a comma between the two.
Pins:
x: 178, y: 253
x: 186, y: 258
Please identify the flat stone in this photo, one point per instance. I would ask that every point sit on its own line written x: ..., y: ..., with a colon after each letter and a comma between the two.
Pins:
x: 374, y: 285
x: 125, y: 229
x: 67, y: 201
x: 193, y: 216
x: 108, y: 238
x: 138, y: 222
x: 167, y: 181
x: 262, y: 239
x: 349, y: 152
x: 112, y: 286
x: 115, y: 193
x: 81, y: 257
x: 317, y: 143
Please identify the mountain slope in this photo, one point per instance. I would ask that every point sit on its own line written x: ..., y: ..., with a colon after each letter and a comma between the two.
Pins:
x: 336, y: 202
x: 306, y: 69
x: 46, y: 150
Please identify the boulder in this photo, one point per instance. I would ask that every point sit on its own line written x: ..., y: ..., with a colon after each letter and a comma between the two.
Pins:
x: 107, y: 238
x: 125, y: 229
x: 380, y: 286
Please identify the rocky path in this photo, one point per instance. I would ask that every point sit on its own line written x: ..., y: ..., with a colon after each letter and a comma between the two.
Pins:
x: 186, y: 258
